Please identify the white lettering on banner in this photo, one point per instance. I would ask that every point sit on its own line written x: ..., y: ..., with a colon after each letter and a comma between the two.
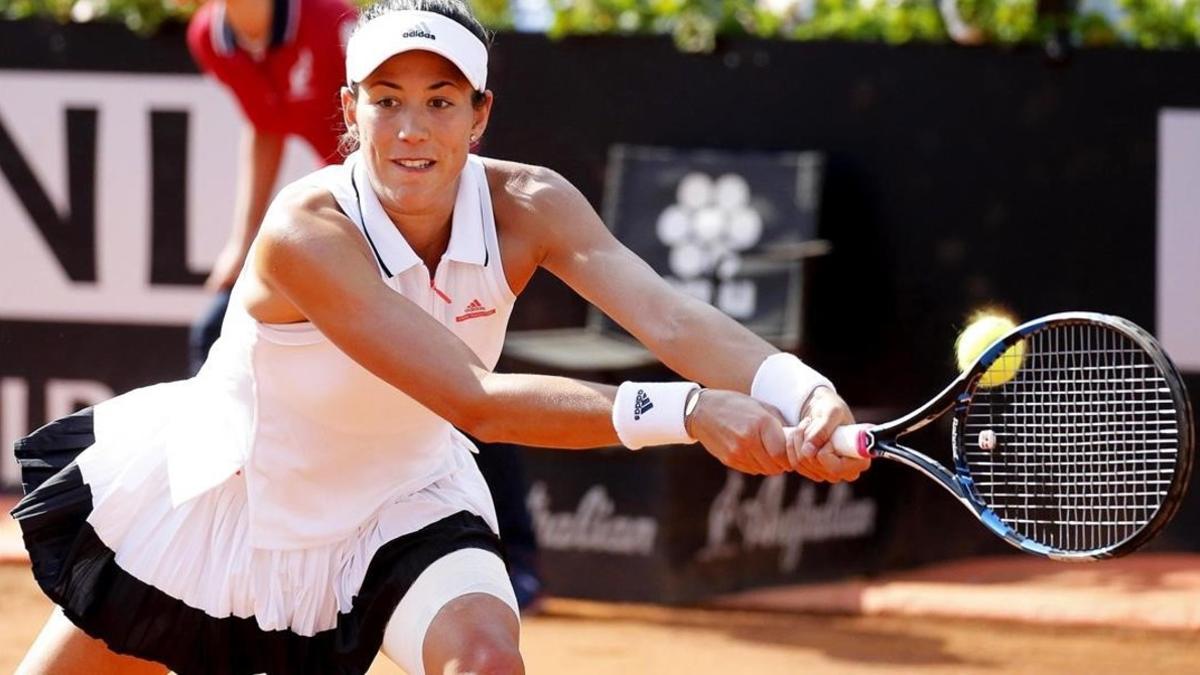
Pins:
x: 33, y: 111
x: 1179, y: 235
x: 14, y: 423
x: 591, y: 526
x: 764, y: 522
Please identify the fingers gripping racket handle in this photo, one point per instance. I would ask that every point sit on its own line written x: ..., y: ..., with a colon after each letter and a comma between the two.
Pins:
x: 852, y: 441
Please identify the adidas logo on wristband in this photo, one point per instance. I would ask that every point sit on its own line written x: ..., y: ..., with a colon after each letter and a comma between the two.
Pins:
x: 641, y: 404
x: 651, y: 413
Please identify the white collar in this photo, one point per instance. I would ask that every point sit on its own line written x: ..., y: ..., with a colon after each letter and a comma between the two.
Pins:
x: 393, y: 251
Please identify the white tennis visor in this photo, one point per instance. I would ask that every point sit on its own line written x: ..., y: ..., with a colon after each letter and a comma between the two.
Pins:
x: 383, y: 37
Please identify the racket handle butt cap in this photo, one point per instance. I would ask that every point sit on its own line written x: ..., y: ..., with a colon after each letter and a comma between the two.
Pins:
x: 851, y: 441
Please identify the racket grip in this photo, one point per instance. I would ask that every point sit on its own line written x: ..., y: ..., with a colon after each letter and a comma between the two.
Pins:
x: 852, y: 441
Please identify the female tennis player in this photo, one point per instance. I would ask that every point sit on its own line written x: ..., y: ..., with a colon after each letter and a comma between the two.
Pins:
x: 307, y: 499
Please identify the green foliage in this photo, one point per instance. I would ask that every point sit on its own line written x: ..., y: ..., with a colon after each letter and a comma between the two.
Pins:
x: 494, y: 14
x: 140, y: 16
x: 1157, y: 24
x: 1094, y: 30
x: 894, y: 21
x: 1003, y: 21
x: 695, y: 25
x: 145, y: 16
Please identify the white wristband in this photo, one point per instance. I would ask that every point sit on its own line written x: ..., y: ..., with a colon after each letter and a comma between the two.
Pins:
x: 785, y: 382
x: 651, y: 413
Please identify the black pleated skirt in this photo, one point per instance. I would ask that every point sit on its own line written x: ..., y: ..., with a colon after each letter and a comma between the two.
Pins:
x: 75, y: 568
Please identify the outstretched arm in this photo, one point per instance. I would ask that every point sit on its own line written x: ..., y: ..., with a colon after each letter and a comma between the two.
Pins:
x: 688, y: 335
x: 691, y: 337
x: 312, y: 261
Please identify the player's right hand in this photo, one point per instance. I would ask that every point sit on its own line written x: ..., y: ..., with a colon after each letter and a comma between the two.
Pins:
x: 740, y: 432
x: 809, y: 445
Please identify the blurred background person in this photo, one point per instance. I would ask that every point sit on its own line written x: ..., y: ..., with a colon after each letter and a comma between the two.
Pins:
x: 283, y: 62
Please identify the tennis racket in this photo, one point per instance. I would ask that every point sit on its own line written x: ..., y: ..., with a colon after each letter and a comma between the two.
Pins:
x: 1084, y: 454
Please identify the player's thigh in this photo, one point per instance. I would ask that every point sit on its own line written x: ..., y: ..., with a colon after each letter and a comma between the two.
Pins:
x: 460, y: 608
x: 61, y: 648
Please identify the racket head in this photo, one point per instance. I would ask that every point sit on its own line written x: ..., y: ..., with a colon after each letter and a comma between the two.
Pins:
x: 1086, y: 452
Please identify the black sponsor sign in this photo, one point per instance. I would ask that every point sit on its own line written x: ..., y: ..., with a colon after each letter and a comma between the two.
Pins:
x: 671, y: 524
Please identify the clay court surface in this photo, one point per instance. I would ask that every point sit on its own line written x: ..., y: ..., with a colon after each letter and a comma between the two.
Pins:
x: 585, y: 638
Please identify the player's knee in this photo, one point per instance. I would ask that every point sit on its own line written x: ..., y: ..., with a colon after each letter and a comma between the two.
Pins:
x: 475, y: 634
x: 492, y: 657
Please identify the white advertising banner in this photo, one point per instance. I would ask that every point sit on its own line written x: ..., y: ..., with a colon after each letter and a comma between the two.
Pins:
x: 117, y: 113
x: 1179, y: 236
x: 116, y: 194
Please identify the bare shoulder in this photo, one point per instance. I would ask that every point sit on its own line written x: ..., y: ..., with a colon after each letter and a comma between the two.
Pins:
x: 526, y: 189
x: 536, y: 210
x: 304, y: 237
x: 305, y: 218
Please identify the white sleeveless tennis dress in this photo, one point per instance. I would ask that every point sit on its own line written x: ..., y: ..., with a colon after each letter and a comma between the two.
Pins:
x: 260, y: 492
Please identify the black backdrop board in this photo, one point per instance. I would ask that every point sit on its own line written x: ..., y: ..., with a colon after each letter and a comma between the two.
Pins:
x: 671, y: 524
x: 952, y: 177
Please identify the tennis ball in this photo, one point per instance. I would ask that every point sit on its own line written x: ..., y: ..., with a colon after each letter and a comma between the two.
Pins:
x: 982, y: 330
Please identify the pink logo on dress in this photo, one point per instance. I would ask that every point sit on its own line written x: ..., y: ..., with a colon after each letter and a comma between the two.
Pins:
x: 475, y: 310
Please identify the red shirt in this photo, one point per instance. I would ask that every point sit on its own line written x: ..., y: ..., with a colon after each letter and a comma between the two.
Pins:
x: 294, y: 87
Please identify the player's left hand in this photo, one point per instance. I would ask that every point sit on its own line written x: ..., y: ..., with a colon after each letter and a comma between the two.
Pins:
x: 740, y: 432
x: 809, y: 448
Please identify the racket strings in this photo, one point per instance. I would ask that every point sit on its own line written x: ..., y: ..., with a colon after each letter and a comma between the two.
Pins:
x: 1083, y: 440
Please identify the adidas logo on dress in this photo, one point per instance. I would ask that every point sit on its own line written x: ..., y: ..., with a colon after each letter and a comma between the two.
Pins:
x: 475, y: 310
x: 641, y: 404
x: 420, y: 30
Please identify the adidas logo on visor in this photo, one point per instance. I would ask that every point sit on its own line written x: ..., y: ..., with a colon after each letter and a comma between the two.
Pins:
x: 420, y: 30
x: 641, y: 404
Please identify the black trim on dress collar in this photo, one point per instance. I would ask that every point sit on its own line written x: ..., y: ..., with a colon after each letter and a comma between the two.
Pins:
x: 366, y: 231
